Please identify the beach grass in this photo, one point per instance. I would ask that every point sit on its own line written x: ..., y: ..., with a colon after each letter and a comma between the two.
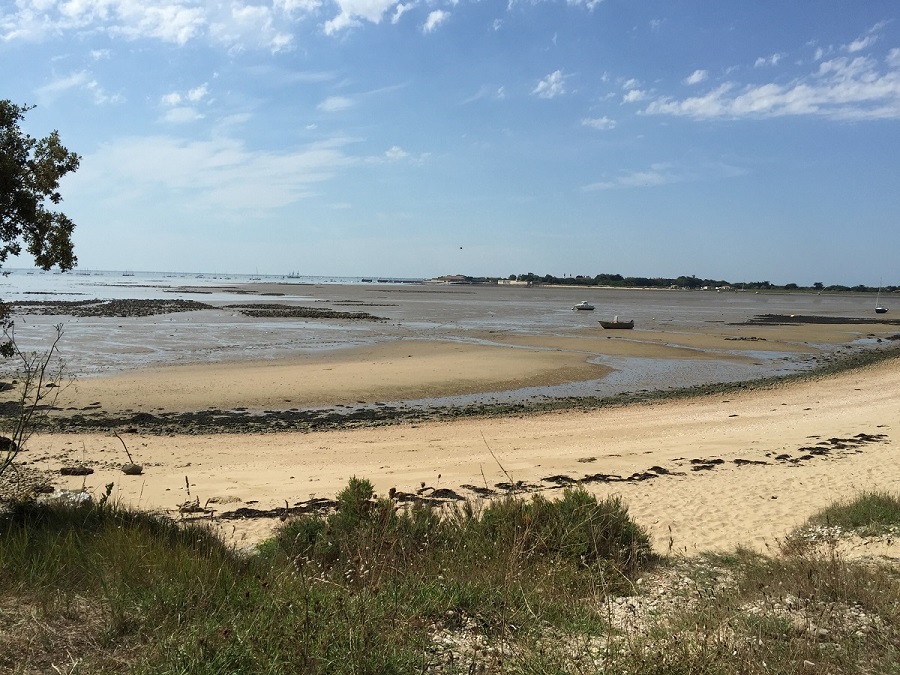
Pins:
x: 514, y: 586
x: 871, y: 513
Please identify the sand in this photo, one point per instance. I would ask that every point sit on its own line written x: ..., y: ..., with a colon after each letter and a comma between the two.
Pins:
x: 720, y: 506
x: 412, y: 369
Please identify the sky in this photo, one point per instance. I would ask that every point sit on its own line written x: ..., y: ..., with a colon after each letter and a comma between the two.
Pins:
x: 743, y: 141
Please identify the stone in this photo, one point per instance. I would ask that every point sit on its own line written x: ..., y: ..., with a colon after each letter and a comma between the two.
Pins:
x: 79, y: 470
x: 69, y: 498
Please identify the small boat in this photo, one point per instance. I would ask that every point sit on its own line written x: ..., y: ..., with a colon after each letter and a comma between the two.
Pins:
x: 584, y: 304
x: 615, y: 323
x: 879, y: 308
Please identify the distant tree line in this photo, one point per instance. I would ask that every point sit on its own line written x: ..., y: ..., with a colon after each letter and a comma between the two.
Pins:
x: 684, y: 281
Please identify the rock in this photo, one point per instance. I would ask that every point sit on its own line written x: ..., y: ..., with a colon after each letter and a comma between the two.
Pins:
x: 191, y: 507
x: 69, y: 498
x: 131, y: 469
x: 79, y: 470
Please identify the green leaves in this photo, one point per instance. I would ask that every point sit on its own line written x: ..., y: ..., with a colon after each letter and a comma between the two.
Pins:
x: 30, y: 171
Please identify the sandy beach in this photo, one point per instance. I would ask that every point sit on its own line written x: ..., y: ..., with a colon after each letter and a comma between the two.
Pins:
x: 706, y: 473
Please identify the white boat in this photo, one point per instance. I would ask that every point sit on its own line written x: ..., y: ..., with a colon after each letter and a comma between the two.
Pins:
x: 584, y: 304
x: 879, y: 308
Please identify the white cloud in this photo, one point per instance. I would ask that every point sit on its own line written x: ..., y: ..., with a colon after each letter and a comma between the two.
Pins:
x: 237, y: 24
x: 64, y: 84
x: 132, y: 19
x: 590, y: 4
x: 665, y: 173
x: 194, y: 95
x: 181, y: 115
x: 657, y: 174
x: 634, y: 95
x: 172, y: 98
x: 551, y: 86
x: 772, y: 60
x: 696, y: 77
x: 395, y: 154
x: 351, y: 11
x: 435, y: 19
x: 198, y: 93
x: 487, y: 92
x: 242, y: 26
x: 862, y: 43
x: 222, y: 176
x: 602, y: 123
x: 893, y: 58
x: 336, y: 104
x: 851, y: 88
x: 631, y: 84
x: 400, y: 10
x: 77, y: 81
x: 297, y: 6
x: 865, y: 41
x: 176, y: 112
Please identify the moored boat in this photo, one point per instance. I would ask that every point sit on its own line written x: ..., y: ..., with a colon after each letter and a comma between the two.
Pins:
x: 615, y: 323
x: 584, y: 305
x: 879, y: 308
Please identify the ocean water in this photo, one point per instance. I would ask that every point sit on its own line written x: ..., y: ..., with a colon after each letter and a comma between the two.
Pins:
x: 22, y: 284
x: 409, y: 310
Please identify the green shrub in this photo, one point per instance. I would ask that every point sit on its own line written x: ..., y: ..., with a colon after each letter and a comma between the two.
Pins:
x: 870, y: 512
x: 578, y: 528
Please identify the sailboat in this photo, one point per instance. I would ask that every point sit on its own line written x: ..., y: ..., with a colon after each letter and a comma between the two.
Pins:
x: 879, y: 309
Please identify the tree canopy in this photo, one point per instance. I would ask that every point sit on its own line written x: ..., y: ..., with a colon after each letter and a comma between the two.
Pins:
x: 30, y: 171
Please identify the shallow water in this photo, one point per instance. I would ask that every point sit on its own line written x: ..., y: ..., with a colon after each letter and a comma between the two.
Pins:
x: 422, y: 311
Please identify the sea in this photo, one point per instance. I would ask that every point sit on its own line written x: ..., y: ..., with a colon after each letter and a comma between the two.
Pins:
x: 29, y: 284
x: 409, y: 309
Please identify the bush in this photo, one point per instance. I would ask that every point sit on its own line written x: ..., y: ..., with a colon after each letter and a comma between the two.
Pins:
x: 577, y: 528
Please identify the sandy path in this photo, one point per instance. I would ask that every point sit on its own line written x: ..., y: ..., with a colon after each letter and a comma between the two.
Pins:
x: 718, y: 508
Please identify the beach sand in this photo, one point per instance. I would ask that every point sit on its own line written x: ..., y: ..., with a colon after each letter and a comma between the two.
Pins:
x: 699, y: 499
x: 411, y: 369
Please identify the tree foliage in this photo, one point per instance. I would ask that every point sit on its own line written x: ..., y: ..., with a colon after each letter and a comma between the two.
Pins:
x: 30, y: 171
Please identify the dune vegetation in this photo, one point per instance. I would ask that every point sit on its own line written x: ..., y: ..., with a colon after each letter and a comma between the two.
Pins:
x: 517, y: 585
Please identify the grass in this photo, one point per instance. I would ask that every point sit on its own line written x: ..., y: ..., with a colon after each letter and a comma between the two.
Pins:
x: 513, y: 586
x: 870, y: 514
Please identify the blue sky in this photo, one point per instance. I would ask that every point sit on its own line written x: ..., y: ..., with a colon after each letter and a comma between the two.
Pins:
x: 731, y: 140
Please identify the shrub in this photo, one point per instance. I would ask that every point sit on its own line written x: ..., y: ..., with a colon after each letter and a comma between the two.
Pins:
x: 577, y: 528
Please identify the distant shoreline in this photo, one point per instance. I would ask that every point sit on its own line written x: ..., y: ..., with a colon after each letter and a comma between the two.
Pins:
x: 683, y: 282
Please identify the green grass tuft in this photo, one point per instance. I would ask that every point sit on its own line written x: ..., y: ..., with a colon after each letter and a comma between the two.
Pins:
x: 870, y: 513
